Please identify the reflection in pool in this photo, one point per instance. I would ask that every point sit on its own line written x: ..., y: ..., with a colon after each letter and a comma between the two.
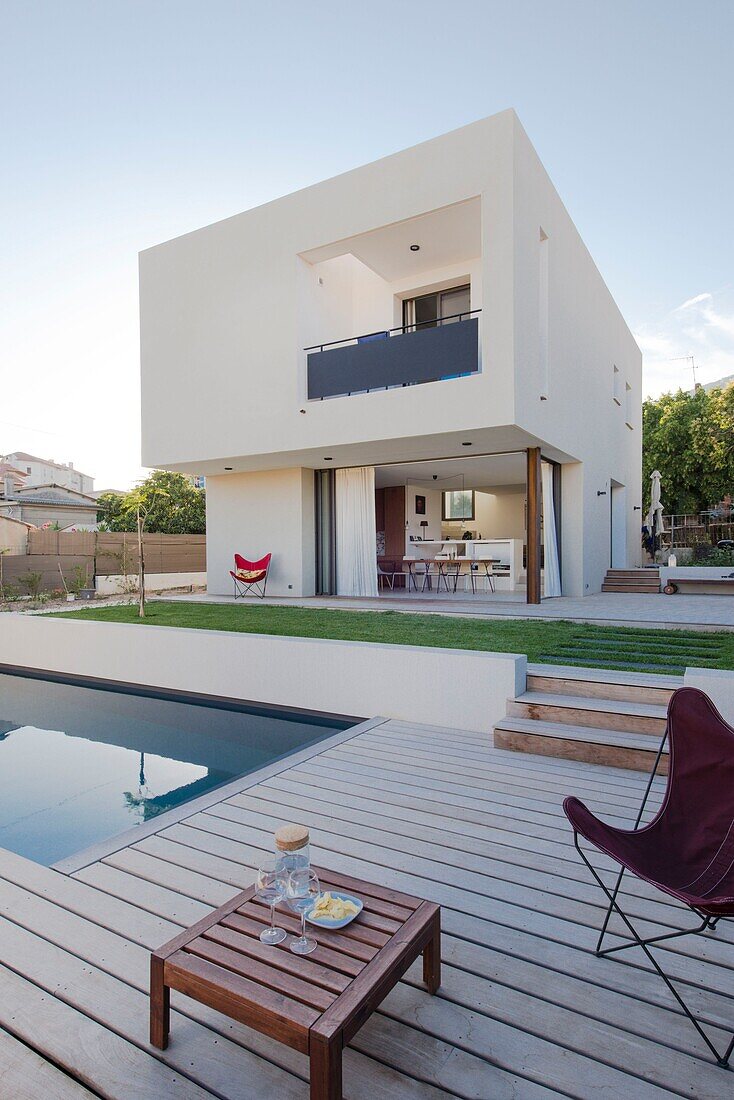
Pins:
x: 80, y: 764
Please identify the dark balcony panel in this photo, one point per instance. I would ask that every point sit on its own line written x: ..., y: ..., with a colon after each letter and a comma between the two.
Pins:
x: 424, y: 356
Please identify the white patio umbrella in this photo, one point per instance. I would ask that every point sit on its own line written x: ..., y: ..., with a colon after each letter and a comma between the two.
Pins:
x: 654, y: 519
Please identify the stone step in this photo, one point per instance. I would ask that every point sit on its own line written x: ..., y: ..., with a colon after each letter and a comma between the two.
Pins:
x: 597, y: 684
x: 613, y: 748
x: 579, y: 710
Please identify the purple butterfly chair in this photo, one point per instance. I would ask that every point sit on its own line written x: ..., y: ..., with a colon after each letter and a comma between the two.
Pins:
x: 687, y: 850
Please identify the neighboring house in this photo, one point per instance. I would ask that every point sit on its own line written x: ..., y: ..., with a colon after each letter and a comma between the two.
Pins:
x: 44, y: 471
x: 432, y: 322
x: 54, y: 504
x: 12, y: 479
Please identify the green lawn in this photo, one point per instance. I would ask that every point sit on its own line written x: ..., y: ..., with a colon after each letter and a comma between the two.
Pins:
x: 555, y: 642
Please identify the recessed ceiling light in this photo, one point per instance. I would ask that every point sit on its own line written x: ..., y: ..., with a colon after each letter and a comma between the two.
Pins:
x: 415, y: 248
x: 466, y: 444
x: 228, y: 467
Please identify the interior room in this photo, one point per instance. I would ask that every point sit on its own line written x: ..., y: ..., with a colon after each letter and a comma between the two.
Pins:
x: 465, y: 518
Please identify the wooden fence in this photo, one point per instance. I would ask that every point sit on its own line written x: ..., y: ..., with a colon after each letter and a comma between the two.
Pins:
x: 100, y: 553
x: 118, y: 553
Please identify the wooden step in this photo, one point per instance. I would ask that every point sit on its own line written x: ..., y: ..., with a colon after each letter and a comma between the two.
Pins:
x: 597, y: 684
x: 631, y: 580
x: 631, y: 588
x: 633, y: 572
x: 613, y: 748
x: 629, y: 717
x: 652, y: 582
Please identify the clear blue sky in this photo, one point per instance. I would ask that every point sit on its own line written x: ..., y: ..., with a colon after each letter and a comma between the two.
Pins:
x: 126, y: 123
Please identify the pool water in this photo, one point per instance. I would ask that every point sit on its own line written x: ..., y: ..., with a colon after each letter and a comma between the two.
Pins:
x: 80, y: 764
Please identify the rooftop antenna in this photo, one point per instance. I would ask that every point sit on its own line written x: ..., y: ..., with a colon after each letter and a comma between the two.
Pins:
x: 687, y: 359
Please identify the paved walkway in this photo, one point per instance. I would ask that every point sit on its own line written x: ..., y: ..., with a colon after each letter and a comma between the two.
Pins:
x: 699, y: 612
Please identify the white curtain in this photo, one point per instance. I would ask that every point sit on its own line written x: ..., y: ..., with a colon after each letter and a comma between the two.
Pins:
x: 551, y: 570
x: 356, y: 537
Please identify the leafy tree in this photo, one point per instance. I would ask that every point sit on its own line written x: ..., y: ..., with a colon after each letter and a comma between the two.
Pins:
x: 689, y: 437
x: 170, y: 503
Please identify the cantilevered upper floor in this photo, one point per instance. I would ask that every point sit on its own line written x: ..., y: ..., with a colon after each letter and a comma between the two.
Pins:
x: 437, y: 292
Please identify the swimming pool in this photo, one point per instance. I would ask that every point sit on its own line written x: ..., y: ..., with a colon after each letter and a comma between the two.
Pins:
x: 81, y: 763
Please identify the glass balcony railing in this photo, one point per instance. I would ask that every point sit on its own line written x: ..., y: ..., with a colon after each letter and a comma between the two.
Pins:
x: 429, y: 351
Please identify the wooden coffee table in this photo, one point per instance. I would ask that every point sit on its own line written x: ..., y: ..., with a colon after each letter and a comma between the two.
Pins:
x: 313, y: 1003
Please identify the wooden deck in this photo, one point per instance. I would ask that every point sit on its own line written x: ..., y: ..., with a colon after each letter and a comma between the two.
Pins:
x: 525, y: 1010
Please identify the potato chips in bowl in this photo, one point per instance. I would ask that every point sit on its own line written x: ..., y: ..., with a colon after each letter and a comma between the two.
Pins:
x: 334, y: 910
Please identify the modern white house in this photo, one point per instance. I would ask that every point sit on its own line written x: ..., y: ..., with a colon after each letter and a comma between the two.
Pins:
x: 419, y: 349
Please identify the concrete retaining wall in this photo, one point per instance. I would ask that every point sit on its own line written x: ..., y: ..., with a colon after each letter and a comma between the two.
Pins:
x: 718, y: 685
x: 114, y: 584
x: 444, y: 687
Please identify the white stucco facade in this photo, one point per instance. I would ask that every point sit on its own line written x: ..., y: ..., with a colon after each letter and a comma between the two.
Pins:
x: 228, y: 311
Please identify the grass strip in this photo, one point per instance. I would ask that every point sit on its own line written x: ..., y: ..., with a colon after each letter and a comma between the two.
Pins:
x: 535, y: 637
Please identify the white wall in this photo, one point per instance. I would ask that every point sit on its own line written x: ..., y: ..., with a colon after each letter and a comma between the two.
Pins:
x: 226, y: 312
x: 224, y: 317
x: 259, y: 513
x: 500, y: 515
x: 718, y: 684
x: 356, y: 678
x: 114, y: 584
x: 587, y: 338
x: 413, y: 520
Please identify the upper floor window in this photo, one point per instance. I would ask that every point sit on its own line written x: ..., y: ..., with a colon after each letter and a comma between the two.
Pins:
x: 443, y: 307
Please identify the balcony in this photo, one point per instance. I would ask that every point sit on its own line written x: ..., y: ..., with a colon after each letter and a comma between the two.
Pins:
x: 403, y: 356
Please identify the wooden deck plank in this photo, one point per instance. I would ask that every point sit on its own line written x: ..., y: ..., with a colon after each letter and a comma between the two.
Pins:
x: 556, y: 856
x: 558, y: 1064
x: 683, y: 961
x: 84, y: 1048
x: 483, y: 766
x: 203, y: 1062
x: 458, y: 888
x: 27, y: 1076
x: 517, y: 947
x: 490, y: 864
x: 130, y: 962
x: 525, y: 1010
x: 465, y: 786
x: 643, y: 1056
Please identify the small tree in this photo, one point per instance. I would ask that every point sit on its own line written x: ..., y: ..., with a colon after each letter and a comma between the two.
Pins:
x: 3, y: 550
x: 140, y: 521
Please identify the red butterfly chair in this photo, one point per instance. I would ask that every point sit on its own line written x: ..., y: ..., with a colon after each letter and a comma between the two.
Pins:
x: 687, y: 850
x: 250, y: 574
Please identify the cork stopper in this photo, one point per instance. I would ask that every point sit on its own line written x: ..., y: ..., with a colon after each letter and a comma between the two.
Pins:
x: 289, y: 838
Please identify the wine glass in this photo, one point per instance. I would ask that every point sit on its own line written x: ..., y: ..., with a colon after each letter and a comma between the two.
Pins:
x: 302, y: 891
x: 270, y: 888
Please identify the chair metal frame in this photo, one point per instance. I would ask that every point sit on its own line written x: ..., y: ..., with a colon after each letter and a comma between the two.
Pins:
x: 241, y: 586
x: 707, y: 924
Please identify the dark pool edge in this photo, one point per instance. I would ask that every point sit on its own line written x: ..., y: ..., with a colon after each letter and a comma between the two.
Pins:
x: 95, y: 852
x: 194, y: 698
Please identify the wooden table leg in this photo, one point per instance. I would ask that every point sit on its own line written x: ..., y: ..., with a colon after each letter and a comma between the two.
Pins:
x: 326, y: 1067
x: 432, y: 956
x: 160, y: 1005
